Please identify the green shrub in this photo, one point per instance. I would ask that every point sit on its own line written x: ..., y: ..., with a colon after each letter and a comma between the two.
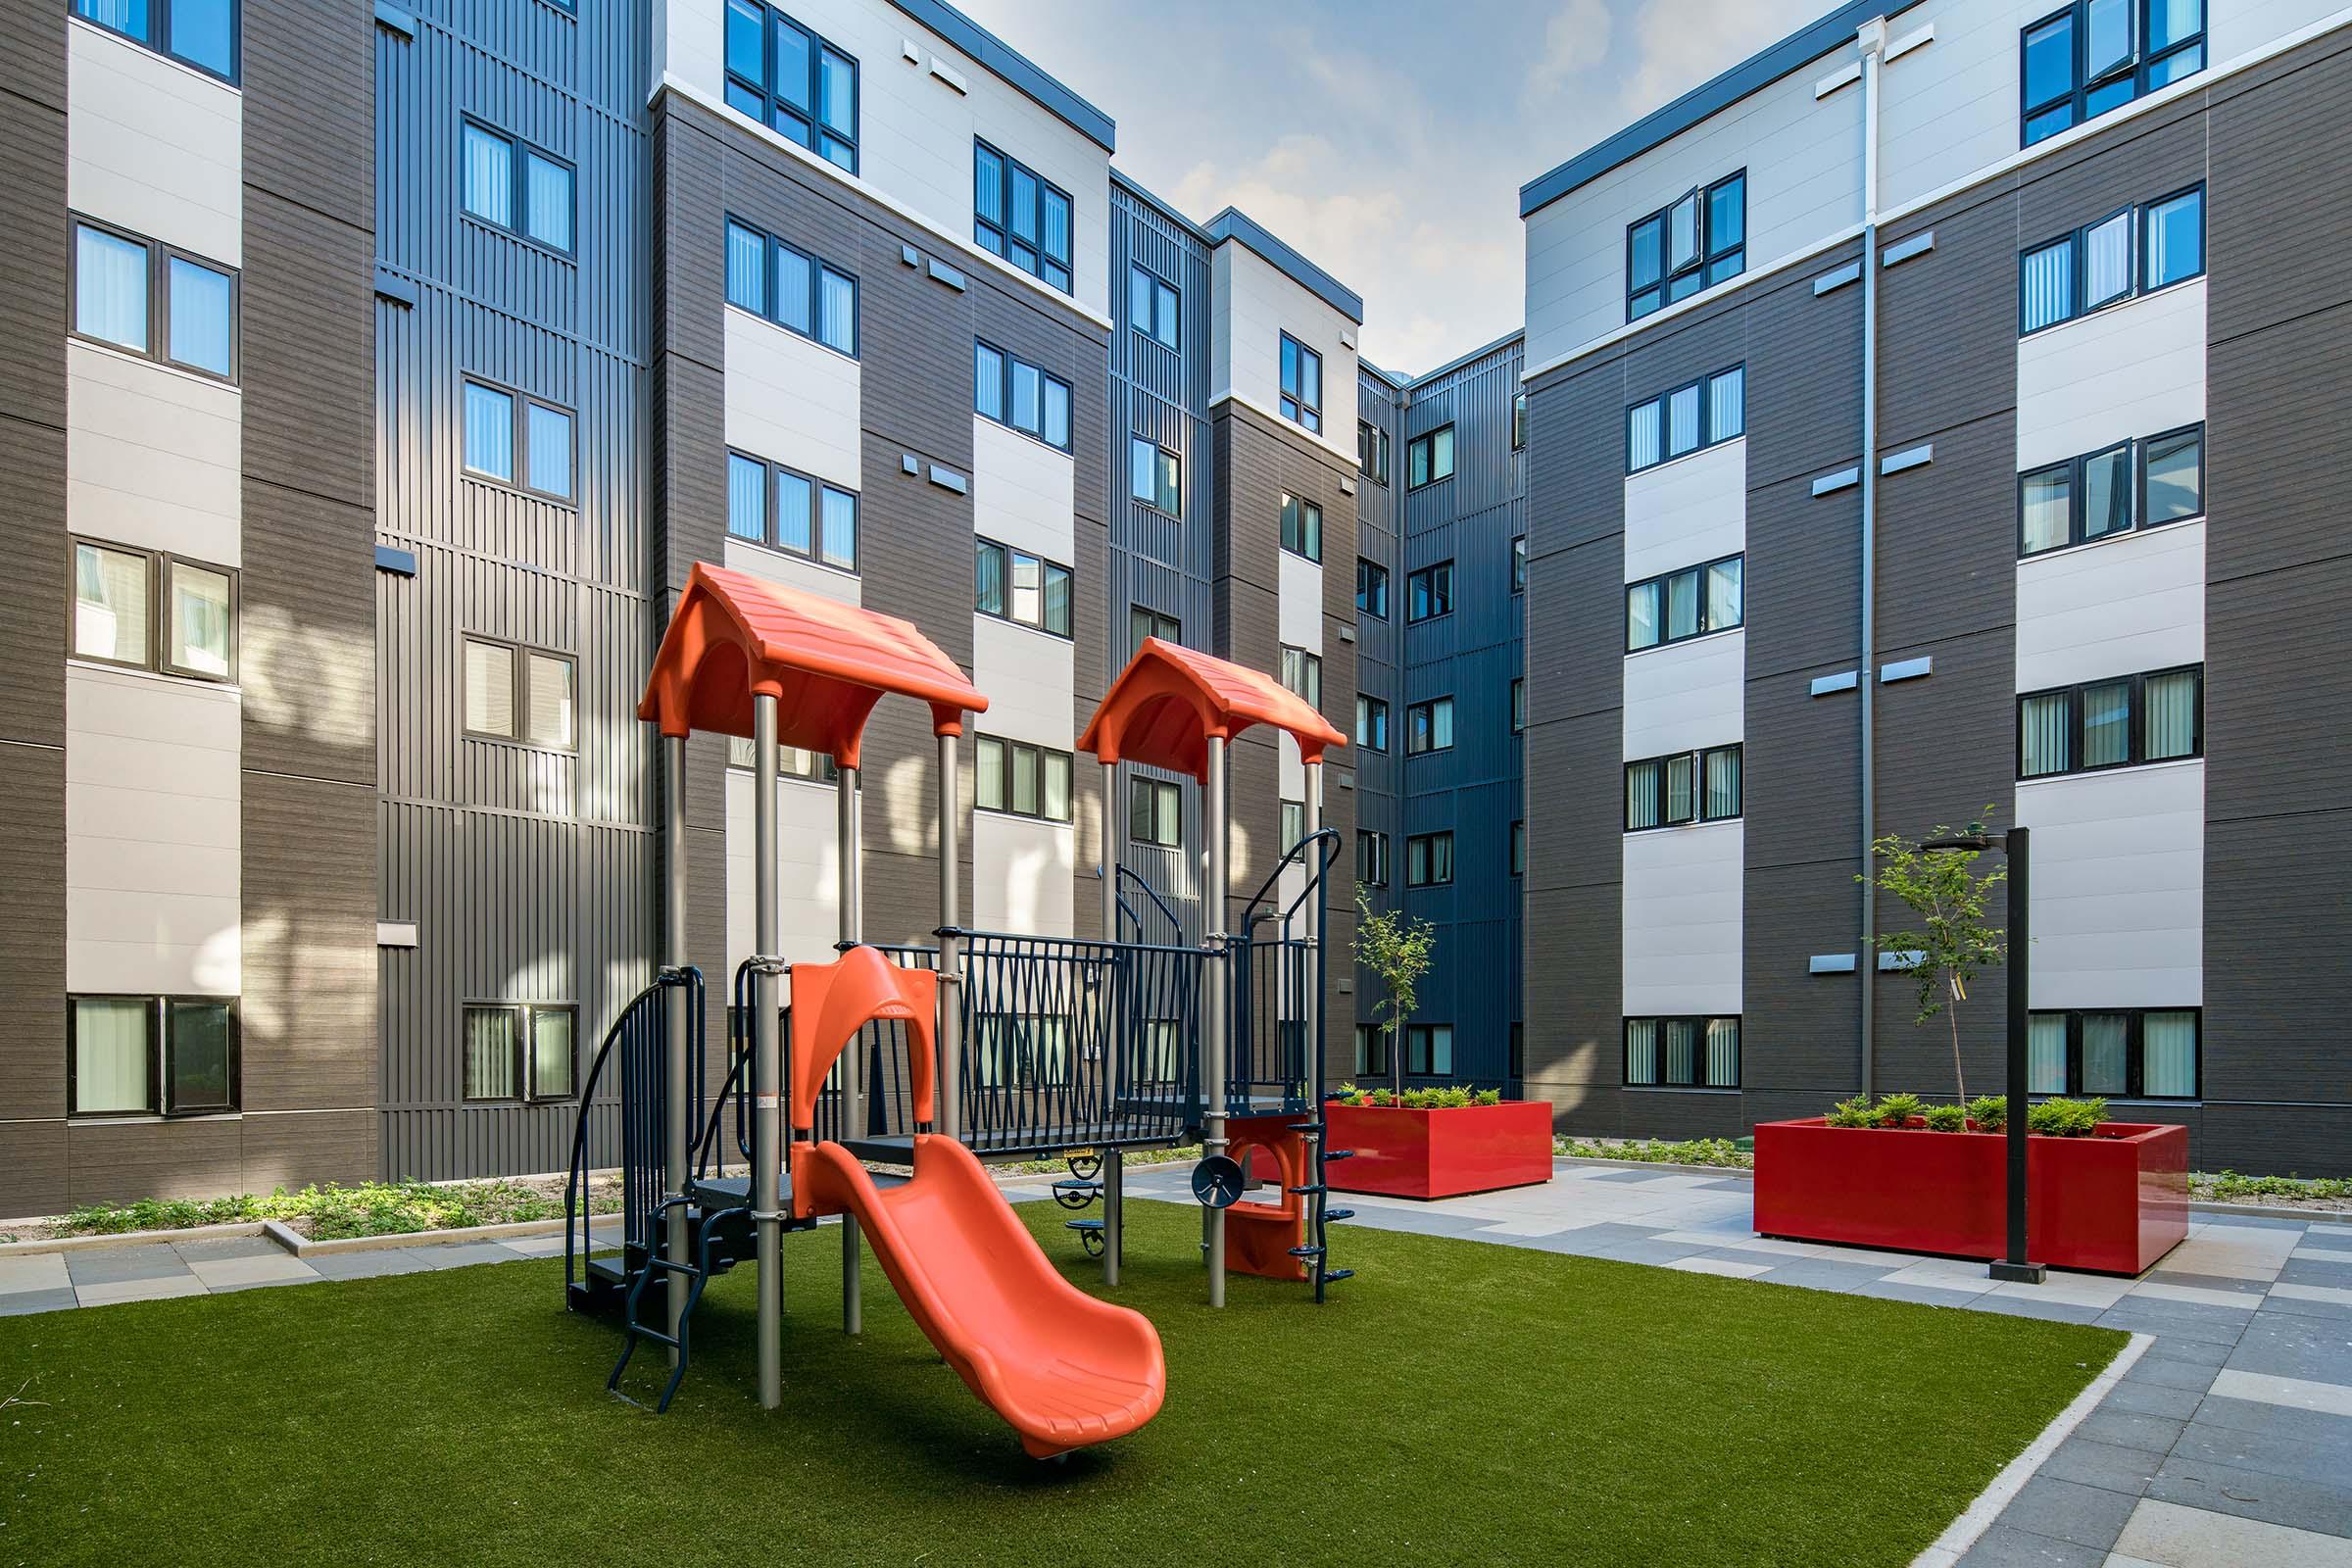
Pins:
x: 1899, y: 1110
x: 1854, y: 1112
x: 2061, y: 1117
x: 1990, y: 1113
x: 1490, y: 1097
x: 371, y: 1209
x: 1946, y: 1119
x: 2229, y: 1186
x: 1657, y: 1151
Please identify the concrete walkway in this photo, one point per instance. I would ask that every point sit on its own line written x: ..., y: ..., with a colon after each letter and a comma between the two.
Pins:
x: 2228, y: 1442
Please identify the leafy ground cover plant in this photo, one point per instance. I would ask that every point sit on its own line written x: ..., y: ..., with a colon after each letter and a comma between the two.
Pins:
x: 1658, y: 1151
x: 329, y: 1212
x: 1418, y: 1099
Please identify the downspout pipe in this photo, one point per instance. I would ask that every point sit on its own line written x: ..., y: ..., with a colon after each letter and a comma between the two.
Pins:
x: 1871, y: 36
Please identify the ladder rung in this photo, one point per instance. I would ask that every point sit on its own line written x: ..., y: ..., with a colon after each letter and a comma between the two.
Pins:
x: 1081, y: 1224
x: 1306, y: 1252
x: 655, y: 1335
x: 1330, y: 1214
x: 1338, y: 1153
x: 1310, y: 1188
x: 1332, y: 1276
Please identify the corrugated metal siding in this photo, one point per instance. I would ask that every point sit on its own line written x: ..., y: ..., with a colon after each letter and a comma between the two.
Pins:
x: 529, y: 874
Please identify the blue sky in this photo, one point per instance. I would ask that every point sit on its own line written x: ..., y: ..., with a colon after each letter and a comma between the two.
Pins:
x: 1385, y: 140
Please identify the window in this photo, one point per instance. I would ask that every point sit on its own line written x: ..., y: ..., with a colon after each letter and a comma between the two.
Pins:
x: 1518, y: 848
x: 143, y: 297
x: 1518, y: 704
x: 1022, y: 1049
x: 1519, y: 421
x: 1429, y: 726
x: 1021, y: 216
x: 1518, y: 1063
x: 1371, y: 1050
x: 198, y: 33
x: 518, y: 440
x: 1428, y: 592
x: 1682, y: 1053
x: 1013, y: 392
x: 2094, y: 266
x: 521, y: 693
x: 1429, y: 860
x: 2154, y: 717
x: 151, y: 1056
x: 1694, y: 241
x: 1673, y: 425
x: 1153, y: 308
x: 2143, y: 484
x: 118, y: 619
x: 1017, y: 586
x: 1302, y: 673
x: 1371, y: 857
x: 1685, y: 604
x: 1371, y: 722
x: 1428, y: 458
x: 1372, y: 452
x: 791, y: 288
x: 1301, y: 527
x: 1143, y: 622
x: 2098, y: 55
x: 1291, y: 828
x: 519, y: 1050
x: 1519, y: 564
x: 793, y: 81
x: 792, y: 762
x: 1155, y: 476
x: 1371, y: 588
x: 2120, y: 1052
x: 1301, y: 383
x: 515, y: 186
x: 1020, y: 779
x: 1155, y: 812
x: 1429, y: 1049
x: 1701, y: 786
x: 786, y: 510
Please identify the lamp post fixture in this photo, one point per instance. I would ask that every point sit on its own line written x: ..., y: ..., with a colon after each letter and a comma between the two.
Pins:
x: 2016, y: 844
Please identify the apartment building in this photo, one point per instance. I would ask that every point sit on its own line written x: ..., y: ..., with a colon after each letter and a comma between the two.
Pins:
x: 1931, y: 414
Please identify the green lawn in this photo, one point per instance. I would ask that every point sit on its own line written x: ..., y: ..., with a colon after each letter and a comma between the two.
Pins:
x: 1455, y: 1402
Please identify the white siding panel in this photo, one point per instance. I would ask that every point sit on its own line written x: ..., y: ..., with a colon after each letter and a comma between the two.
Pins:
x: 1687, y: 695
x: 2119, y: 896
x: 807, y: 867
x: 1023, y: 491
x: 1298, y: 610
x: 793, y: 571
x: 154, y: 146
x: 2117, y: 607
x: 1259, y: 303
x: 151, y: 456
x: 792, y: 401
x: 1689, y: 511
x: 1028, y: 678
x: 1022, y: 875
x: 2125, y: 371
x: 1683, y: 919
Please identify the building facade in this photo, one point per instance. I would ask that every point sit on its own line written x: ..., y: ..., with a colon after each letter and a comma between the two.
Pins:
x: 1926, y: 417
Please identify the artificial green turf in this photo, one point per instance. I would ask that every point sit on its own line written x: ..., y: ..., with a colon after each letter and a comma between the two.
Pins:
x: 1455, y: 1402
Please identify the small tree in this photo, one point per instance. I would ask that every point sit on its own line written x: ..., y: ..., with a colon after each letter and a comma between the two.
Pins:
x: 1397, y: 949
x: 1952, y: 940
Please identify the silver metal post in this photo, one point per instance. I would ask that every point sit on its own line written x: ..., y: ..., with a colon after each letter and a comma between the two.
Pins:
x: 1113, y: 1193
x: 951, y: 948
x: 852, y: 887
x: 678, y: 1131
x: 1873, y: 35
x: 768, y: 1005
x: 1212, y: 1041
x: 1110, y: 855
x: 1117, y: 1031
x: 1313, y: 1009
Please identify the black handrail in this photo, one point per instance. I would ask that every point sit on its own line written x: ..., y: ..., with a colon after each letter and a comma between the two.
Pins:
x: 1126, y: 874
x: 632, y: 1025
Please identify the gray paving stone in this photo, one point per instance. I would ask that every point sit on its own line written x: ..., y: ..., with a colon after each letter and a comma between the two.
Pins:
x: 2218, y: 1332
x: 235, y: 1286
x: 2155, y: 1433
x: 2203, y: 1282
x: 2270, y: 1438
x: 367, y: 1266
x: 2250, y: 1222
x: 110, y: 1265
x: 2154, y: 1398
x: 464, y: 1254
x: 2092, y: 1463
x: 1823, y: 1273
x: 2195, y: 1351
x: 2067, y: 1510
x: 16, y: 1304
x: 211, y: 1246
x: 2298, y: 1306
x: 2027, y: 1306
x: 2166, y: 1372
x: 1886, y: 1291
x: 1631, y: 1178
x: 2287, y: 1345
x: 2003, y: 1546
x: 1650, y: 1251
x: 2252, y: 1495
x: 2317, y: 1271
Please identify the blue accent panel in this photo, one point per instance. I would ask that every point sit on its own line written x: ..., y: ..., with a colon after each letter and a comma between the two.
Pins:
x: 1801, y: 47
x: 1235, y: 224
x: 1898, y: 961
x: 400, y: 563
x: 944, y: 274
x: 1836, y: 277
x: 1918, y: 456
x: 1905, y: 670
x: 1832, y: 483
x: 1830, y: 964
x: 1015, y: 68
x: 1902, y: 250
x: 394, y: 20
x: 950, y: 479
x: 1843, y: 681
x: 392, y: 286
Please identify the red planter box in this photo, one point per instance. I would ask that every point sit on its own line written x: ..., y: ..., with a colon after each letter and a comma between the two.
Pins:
x: 2113, y: 1204
x: 1441, y: 1153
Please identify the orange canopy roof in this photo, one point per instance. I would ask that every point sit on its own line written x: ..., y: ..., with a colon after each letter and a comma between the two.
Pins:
x: 1169, y: 700
x: 734, y: 636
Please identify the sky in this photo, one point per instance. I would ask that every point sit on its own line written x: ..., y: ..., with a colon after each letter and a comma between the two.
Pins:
x: 1385, y: 140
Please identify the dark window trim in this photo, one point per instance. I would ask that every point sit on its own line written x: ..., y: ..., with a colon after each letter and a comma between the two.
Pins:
x: 1427, y: 574
x: 1708, y: 436
x: 1310, y: 670
x: 1378, y: 578
x: 2140, y: 287
x: 1430, y: 706
x: 771, y: 289
x: 1709, y: 254
x: 2136, y: 69
x: 1153, y: 501
x: 1699, y: 817
x: 1519, y: 564
x: 1299, y: 506
x: 1699, y: 1055
x: 159, y: 611
x: 1294, y: 405
x: 520, y: 442
x: 1518, y: 704
x: 1518, y: 421
x: 1044, y: 567
x: 1429, y: 439
x: 2133, y: 724
x: 1705, y: 630
x: 2076, y: 468
x: 1369, y: 707
x: 522, y: 651
x: 526, y: 1063
x: 2134, y: 1050
x: 1156, y: 789
x: 814, y: 555
x: 159, y: 13
x: 1372, y: 452
x: 1421, y: 1045
x: 519, y: 187
x: 1175, y: 297
x: 770, y: 101
x: 1005, y: 237
x: 1429, y: 843
x: 1159, y: 620
x: 822, y: 770
x: 1009, y: 360
x: 160, y: 257
x: 1375, y: 841
x: 157, y: 1006
x: 1008, y: 746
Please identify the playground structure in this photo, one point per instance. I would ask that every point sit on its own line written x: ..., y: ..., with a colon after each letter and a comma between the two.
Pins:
x: 983, y: 1045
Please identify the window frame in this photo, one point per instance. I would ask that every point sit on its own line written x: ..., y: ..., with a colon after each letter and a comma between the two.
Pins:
x: 1710, y: 436
x: 526, y: 1064
x: 1437, y: 575
x: 1013, y: 554
x: 519, y: 152
x: 1007, y: 749
x: 2135, y: 724
x: 520, y: 442
x: 772, y: 538
x: 1372, y: 452
x: 2077, y: 261
x: 158, y: 1102
x: 1291, y: 401
x: 1156, y: 790
x: 1309, y: 666
x: 1519, y: 564
x: 1429, y: 706
x: 1421, y: 1045
x: 1706, y: 255
x: 1372, y: 845
x: 160, y: 22
x: 1426, y: 441
x: 771, y: 100
x: 771, y: 289
x: 2137, y: 68
x: 2136, y: 1062
x: 1301, y: 525
x: 2077, y: 468
x: 1166, y: 459
x: 1157, y: 619
x: 523, y: 654
x: 1699, y: 815
x: 1376, y: 711
x: 1372, y: 575
x: 1428, y: 845
x: 1005, y: 234
x: 1162, y: 292
x: 1518, y: 704
x: 1518, y: 421
x: 158, y: 567
x: 1011, y: 362
x: 1698, y: 1057
x: 160, y: 257
x: 1659, y: 581
x: 822, y: 770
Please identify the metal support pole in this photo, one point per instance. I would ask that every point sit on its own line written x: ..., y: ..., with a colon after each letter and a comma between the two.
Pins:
x: 1213, y: 1026
x: 1310, y: 1018
x: 678, y: 1130
x: 2020, y: 978
x: 1110, y: 855
x: 1873, y: 37
x: 1113, y: 1196
x: 767, y: 1073
x: 1111, y: 1169
x: 951, y: 948
x: 852, y: 891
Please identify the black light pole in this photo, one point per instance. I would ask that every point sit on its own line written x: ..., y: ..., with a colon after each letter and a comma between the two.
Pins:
x: 2017, y: 844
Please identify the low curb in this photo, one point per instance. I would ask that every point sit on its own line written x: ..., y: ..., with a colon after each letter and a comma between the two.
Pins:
x: 80, y: 1244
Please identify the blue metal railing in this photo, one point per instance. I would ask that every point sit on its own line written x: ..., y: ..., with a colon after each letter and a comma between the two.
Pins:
x: 636, y: 1048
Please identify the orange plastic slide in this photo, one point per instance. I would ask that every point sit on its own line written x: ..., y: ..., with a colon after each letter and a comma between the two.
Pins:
x: 1063, y: 1368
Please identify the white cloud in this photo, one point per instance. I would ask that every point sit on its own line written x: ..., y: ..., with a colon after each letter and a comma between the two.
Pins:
x: 1575, y: 40
x: 1681, y: 43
